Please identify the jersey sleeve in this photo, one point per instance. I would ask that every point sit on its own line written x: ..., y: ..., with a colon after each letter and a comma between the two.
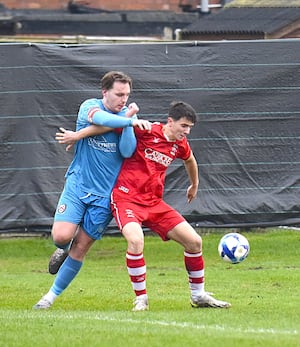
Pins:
x: 127, y: 143
x: 90, y: 111
x: 184, y: 150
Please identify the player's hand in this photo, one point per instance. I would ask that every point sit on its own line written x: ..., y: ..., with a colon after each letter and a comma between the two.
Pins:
x: 66, y: 137
x: 142, y: 124
x: 191, y: 193
x: 133, y: 109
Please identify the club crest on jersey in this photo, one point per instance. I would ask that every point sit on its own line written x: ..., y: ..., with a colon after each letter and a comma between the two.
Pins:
x: 174, y: 150
x: 61, y: 208
x: 129, y: 213
x: 156, y: 140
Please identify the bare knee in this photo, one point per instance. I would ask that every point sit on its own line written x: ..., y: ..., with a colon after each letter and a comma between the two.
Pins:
x: 63, y: 232
x: 135, y: 245
x: 187, y: 236
x: 195, y: 245
x: 133, y: 233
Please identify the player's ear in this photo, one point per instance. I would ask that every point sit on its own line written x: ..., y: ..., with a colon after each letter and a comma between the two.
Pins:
x: 170, y: 120
x: 104, y: 92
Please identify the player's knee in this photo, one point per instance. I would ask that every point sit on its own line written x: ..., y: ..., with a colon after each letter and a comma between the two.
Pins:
x: 60, y: 240
x: 135, y: 245
x: 195, y: 244
x: 134, y: 236
x: 198, y: 244
x: 62, y: 234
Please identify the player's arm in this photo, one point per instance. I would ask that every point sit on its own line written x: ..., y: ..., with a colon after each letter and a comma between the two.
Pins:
x: 191, y: 168
x: 127, y: 143
x: 69, y: 137
x: 97, y: 116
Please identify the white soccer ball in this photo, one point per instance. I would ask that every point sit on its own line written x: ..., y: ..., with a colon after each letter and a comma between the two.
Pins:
x: 233, y: 248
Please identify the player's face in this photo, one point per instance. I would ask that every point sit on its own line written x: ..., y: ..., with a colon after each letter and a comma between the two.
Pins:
x: 179, y: 129
x: 115, y: 99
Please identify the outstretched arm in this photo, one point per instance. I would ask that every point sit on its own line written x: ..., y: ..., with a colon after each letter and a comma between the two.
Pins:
x: 99, y: 117
x: 127, y: 142
x: 191, y: 167
x: 69, y: 137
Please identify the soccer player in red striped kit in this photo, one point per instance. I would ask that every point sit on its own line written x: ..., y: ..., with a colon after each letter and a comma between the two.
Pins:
x: 137, y: 199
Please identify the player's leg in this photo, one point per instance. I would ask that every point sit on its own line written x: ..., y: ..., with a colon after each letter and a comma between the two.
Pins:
x: 185, y: 234
x: 129, y: 217
x: 95, y: 221
x: 169, y: 224
x: 69, y: 214
x: 136, y: 265
x: 62, y: 235
x: 68, y: 270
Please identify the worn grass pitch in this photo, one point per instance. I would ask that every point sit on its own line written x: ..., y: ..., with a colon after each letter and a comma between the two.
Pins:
x: 96, y: 309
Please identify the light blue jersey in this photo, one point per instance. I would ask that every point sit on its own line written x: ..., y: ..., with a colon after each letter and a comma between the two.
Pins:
x: 95, y: 168
x: 98, y: 160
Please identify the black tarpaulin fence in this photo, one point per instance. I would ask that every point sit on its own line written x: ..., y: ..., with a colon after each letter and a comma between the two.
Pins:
x: 247, y: 139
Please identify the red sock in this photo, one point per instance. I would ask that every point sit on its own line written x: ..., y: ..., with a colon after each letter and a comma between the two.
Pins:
x: 137, y: 272
x: 194, y: 265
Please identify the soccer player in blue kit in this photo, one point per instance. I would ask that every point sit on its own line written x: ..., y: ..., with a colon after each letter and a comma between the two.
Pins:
x: 83, y: 211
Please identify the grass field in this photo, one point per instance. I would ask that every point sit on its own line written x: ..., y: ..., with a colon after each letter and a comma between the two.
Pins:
x: 95, y: 310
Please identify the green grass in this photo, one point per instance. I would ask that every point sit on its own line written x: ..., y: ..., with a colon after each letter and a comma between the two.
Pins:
x: 95, y: 310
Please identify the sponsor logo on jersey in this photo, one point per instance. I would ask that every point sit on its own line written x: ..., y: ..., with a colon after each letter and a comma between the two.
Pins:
x: 61, y: 208
x: 109, y: 147
x: 124, y: 189
x: 158, y: 157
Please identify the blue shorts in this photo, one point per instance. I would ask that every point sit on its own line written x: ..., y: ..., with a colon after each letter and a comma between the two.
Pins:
x: 91, y: 212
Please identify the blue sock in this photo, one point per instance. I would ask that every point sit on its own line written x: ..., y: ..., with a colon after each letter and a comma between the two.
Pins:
x: 65, y: 275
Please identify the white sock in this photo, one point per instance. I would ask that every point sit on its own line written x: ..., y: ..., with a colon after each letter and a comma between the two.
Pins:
x: 50, y: 296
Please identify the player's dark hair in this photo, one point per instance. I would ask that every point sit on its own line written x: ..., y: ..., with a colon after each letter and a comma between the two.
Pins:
x: 107, y: 81
x: 181, y: 109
